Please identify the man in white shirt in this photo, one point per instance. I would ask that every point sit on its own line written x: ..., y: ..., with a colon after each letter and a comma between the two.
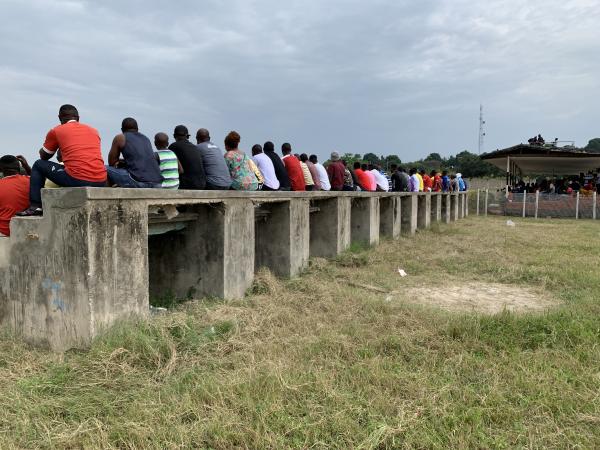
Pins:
x: 266, y: 167
x: 323, y: 177
x: 382, y: 182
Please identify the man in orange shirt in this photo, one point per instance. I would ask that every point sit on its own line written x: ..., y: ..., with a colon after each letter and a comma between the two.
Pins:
x: 14, y: 190
x: 293, y: 168
x: 79, y: 147
x: 366, y: 180
x: 427, y: 181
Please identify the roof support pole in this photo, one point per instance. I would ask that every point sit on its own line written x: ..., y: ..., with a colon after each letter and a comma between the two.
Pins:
x: 524, y: 202
x: 594, y: 206
x: 537, y: 202
x: 507, y: 174
x: 577, y: 206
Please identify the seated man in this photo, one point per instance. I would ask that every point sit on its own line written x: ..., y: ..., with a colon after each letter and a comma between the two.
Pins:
x: 322, y: 173
x: 14, y: 190
x: 293, y: 168
x: 170, y: 167
x: 193, y: 176
x: 79, y: 146
x: 139, y: 168
x: 382, y: 183
x: 215, y: 167
x: 266, y: 168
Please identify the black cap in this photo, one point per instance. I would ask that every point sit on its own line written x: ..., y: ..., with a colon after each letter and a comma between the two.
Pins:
x: 181, y: 130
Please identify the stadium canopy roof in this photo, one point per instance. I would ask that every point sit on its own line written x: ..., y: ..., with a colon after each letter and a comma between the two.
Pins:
x: 537, y: 159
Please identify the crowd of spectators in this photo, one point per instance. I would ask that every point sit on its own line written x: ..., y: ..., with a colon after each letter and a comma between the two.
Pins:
x: 585, y: 184
x: 181, y: 164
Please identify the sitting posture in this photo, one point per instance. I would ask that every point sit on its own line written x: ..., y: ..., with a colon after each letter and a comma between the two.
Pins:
x: 240, y: 169
x: 321, y: 173
x: 217, y: 173
x: 138, y: 168
x: 169, y: 165
x: 14, y: 190
x: 266, y: 168
x: 293, y: 168
x: 193, y: 176
x: 81, y: 154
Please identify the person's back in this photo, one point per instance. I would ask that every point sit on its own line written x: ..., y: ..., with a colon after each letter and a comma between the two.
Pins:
x: 215, y: 168
x: 381, y: 180
x: 336, y: 172
x: 445, y: 182
x: 169, y: 169
x: 427, y: 182
x: 413, y: 182
x: 266, y: 167
x: 240, y: 165
x: 321, y: 173
x: 293, y: 168
x: 193, y: 176
x: 311, y: 177
x: 14, y: 191
x: 280, y: 171
x: 139, y: 158
x: 80, y: 150
x: 371, y: 182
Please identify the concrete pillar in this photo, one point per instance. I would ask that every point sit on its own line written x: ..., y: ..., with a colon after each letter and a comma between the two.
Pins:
x: 409, y: 208
x: 436, y: 208
x: 391, y: 217
x: 462, y: 200
x: 283, y: 237
x: 467, y: 195
x: 424, y: 211
x: 446, y: 207
x: 454, y: 206
x: 75, y: 271
x: 330, y: 227
x: 212, y: 256
x: 365, y: 220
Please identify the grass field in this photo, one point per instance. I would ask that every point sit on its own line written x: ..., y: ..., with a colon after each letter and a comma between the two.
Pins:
x: 347, y: 356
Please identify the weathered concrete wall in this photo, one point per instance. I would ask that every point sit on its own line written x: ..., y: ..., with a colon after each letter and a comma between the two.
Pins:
x: 390, y: 210
x: 409, y: 211
x: 365, y: 220
x: 330, y: 226
x: 424, y: 211
x: 98, y: 254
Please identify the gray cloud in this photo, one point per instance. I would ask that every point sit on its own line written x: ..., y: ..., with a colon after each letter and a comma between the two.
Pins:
x: 381, y: 76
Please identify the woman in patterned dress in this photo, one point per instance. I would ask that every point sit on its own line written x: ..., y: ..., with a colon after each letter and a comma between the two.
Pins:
x: 239, y: 165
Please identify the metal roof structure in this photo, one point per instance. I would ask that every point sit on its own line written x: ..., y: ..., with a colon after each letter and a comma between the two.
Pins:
x: 543, y: 159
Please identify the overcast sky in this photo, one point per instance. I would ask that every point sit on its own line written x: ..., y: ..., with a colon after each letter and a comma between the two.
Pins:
x: 382, y: 76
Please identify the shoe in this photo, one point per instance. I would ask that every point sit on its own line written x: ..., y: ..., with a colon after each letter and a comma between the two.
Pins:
x: 30, y: 212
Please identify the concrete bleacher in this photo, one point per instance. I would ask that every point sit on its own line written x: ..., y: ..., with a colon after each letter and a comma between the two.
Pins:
x: 99, y: 254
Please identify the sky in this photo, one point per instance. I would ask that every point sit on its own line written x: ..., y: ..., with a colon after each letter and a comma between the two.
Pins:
x: 383, y: 76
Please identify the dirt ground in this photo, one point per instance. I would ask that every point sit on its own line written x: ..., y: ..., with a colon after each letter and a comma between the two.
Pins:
x: 489, y: 298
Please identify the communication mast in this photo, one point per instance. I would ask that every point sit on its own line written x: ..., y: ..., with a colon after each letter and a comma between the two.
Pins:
x: 481, y: 131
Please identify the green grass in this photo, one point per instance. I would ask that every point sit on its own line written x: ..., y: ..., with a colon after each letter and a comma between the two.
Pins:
x: 316, y: 362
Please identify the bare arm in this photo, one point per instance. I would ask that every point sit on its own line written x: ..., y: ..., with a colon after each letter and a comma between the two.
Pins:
x: 180, y: 167
x: 115, y: 150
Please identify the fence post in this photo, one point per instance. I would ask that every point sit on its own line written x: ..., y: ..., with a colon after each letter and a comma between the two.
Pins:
x: 594, y: 207
x: 577, y: 207
x: 537, y: 203
x: 524, y: 202
x: 477, y: 213
x: 486, y: 202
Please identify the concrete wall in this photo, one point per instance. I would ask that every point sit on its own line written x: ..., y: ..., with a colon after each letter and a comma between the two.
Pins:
x: 98, y: 254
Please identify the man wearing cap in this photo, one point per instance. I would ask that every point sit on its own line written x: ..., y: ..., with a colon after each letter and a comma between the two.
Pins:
x: 190, y: 157
x: 14, y: 190
x: 336, y: 171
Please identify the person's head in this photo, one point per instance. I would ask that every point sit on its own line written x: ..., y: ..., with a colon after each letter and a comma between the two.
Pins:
x: 422, y: 172
x: 356, y: 165
x: 394, y: 167
x: 161, y: 141
x: 269, y: 147
x: 9, y: 165
x: 335, y: 156
x: 202, y: 135
x: 412, y: 171
x: 256, y: 149
x: 452, y: 177
x: 68, y: 112
x: 401, y: 169
x: 444, y: 173
x: 303, y: 157
x: 344, y: 162
x: 129, y: 124
x: 313, y: 159
x: 286, y: 149
x: 370, y: 167
x: 181, y: 133
x: 433, y: 173
x: 232, y: 140
x: 364, y: 166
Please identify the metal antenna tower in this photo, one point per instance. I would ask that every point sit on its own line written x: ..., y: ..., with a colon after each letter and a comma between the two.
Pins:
x: 481, y: 131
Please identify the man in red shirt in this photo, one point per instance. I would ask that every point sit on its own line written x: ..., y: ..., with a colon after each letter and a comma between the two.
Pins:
x: 14, y: 190
x: 79, y: 147
x: 336, y: 172
x: 427, y: 181
x: 366, y: 180
x: 437, y: 181
x: 293, y: 168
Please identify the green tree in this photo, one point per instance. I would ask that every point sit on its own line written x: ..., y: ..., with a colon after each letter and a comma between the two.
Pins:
x: 593, y: 146
x: 371, y: 158
x: 434, y: 157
